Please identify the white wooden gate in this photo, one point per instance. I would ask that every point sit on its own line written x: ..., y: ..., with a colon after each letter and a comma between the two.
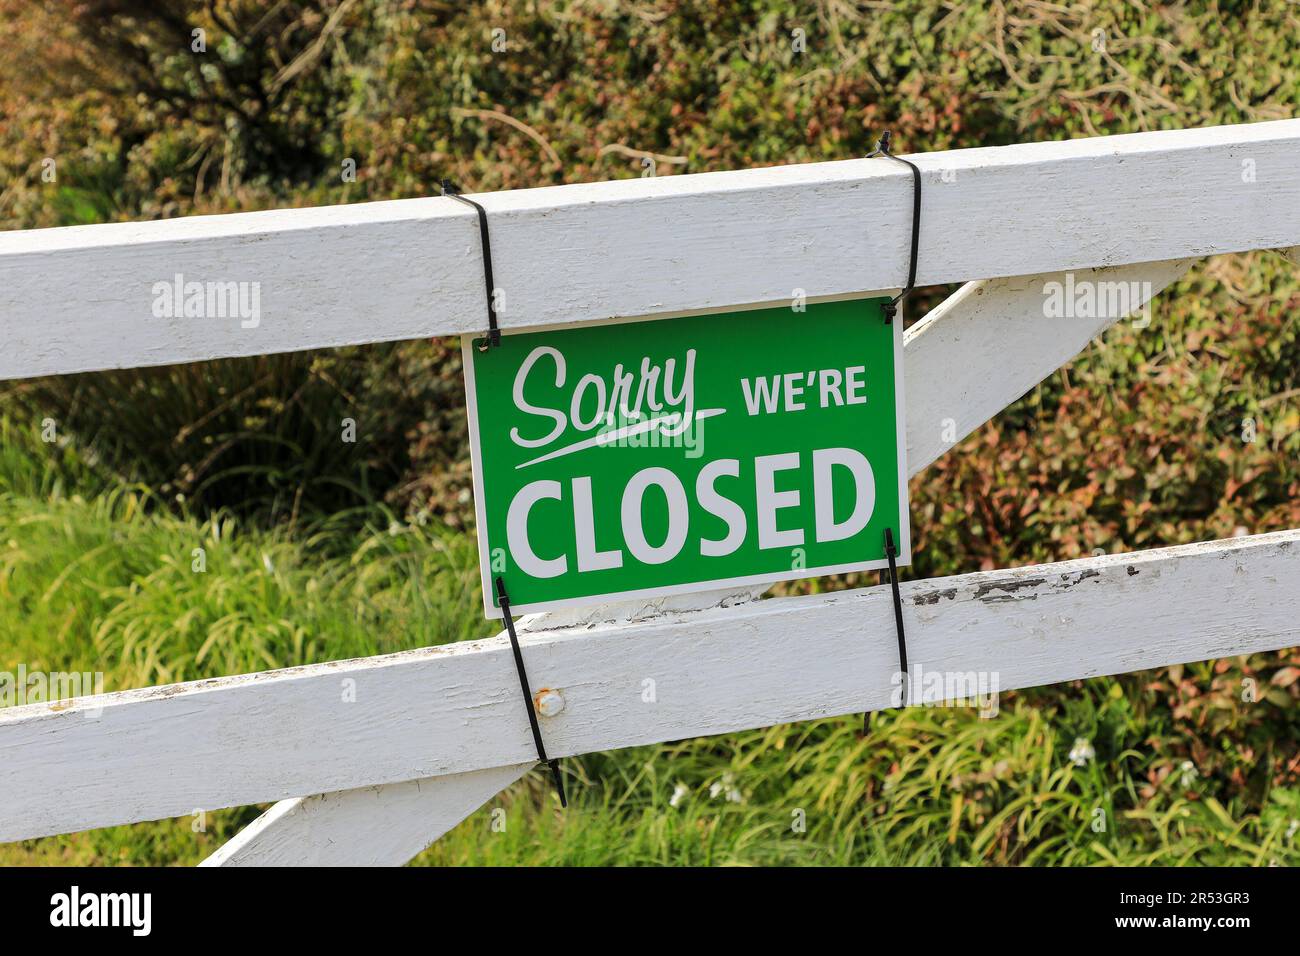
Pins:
x: 436, y: 732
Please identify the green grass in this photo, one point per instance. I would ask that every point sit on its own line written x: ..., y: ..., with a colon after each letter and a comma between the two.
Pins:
x: 114, y: 584
x: 1137, y: 444
x: 107, y: 582
x: 921, y: 788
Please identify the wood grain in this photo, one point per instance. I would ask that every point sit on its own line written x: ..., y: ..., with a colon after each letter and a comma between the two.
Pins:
x: 79, y: 298
x: 165, y: 751
x: 369, y: 826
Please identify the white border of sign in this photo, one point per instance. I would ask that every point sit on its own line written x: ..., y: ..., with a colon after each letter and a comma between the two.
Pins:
x: 494, y: 613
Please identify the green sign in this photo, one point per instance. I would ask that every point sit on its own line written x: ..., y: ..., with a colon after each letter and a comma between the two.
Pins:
x: 672, y: 455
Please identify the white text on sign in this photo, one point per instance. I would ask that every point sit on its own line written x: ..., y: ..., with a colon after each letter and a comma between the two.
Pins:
x: 830, y: 386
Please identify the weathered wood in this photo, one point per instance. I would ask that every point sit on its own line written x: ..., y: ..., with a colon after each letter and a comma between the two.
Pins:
x: 965, y: 343
x: 80, y: 298
x: 992, y: 341
x: 370, y: 826
x: 1008, y: 311
x: 339, y: 827
x: 454, y: 709
x: 965, y: 400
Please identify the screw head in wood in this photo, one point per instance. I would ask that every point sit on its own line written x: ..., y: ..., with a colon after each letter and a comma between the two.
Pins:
x: 548, y: 702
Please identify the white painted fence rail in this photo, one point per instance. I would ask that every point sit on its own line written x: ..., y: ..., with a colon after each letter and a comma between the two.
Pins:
x: 435, y: 732
x: 79, y: 298
x: 453, y: 709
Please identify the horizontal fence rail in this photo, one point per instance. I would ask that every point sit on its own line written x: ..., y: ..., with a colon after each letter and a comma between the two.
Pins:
x: 948, y: 340
x: 426, y: 735
x: 86, y: 297
x: 958, y: 344
x: 167, y: 751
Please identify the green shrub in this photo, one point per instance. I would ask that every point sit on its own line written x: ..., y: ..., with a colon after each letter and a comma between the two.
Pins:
x: 1137, y: 443
x: 143, y: 127
x: 270, y: 436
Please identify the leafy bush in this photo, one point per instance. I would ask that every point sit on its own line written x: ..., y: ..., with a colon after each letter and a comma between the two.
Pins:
x: 1141, y: 441
x: 141, y: 125
x: 256, y: 436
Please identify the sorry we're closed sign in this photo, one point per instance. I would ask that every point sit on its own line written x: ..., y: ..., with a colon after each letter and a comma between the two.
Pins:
x: 673, y: 455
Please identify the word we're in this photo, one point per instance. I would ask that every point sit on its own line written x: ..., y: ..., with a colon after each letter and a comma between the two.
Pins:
x: 829, y: 386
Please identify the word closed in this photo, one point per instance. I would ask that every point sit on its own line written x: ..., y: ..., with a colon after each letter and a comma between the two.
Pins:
x: 673, y: 455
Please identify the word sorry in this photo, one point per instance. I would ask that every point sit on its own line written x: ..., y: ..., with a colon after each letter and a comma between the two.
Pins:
x: 624, y: 397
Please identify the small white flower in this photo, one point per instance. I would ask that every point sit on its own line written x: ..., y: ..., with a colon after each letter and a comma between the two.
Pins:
x: 727, y: 787
x: 1188, y: 770
x: 679, y: 794
x: 1291, y: 830
x: 1082, y: 753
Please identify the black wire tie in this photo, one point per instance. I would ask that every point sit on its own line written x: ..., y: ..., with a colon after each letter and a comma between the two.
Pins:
x: 890, y: 308
x: 493, y: 336
x: 504, y: 601
x: 891, y: 552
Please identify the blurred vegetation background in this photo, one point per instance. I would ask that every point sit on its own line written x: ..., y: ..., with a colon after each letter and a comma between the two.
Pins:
x: 319, y: 549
